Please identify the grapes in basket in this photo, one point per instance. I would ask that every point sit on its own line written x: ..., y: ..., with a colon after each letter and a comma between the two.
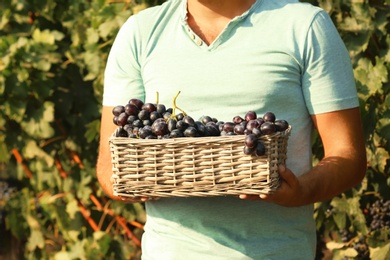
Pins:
x: 137, y: 119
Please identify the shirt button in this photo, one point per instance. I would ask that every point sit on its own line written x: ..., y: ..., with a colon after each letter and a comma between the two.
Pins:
x: 199, y: 42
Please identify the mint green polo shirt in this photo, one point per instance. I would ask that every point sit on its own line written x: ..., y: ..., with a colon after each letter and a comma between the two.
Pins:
x: 281, y: 56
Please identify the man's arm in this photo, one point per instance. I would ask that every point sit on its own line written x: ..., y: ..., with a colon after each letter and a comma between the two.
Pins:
x: 343, y: 166
x: 104, y: 165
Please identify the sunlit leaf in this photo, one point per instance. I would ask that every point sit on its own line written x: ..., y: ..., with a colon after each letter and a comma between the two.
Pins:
x: 72, y: 208
x: 380, y: 252
x: 334, y: 245
x: 44, y: 36
x: 350, y: 252
x: 39, y: 122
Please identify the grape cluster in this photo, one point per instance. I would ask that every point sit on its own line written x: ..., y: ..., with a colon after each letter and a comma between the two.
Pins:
x: 6, y: 191
x: 379, y: 212
x: 357, y: 242
x: 154, y: 121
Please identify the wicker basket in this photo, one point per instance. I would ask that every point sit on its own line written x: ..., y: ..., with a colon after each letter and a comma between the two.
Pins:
x: 202, y: 166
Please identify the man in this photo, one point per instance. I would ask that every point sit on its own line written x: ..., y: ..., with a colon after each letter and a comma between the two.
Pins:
x: 228, y: 57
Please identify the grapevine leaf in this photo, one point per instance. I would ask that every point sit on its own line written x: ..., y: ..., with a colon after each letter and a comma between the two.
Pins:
x: 383, y: 128
x: 371, y: 76
x: 334, y: 245
x: 38, y: 124
x: 379, y: 159
x: 62, y: 255
x: 350, y: 252
x: 44, y: 36
x: 93, y: 130
x: 15, y: 109
x: 103, y: 240
x: 340, y: 215
x: 32, y: 150
x: 72, y: 208
x: 4, y: 153
x: 74, y: 234
x: 77, y: 250
x: 107, y: 27
x: 380, y: 252
x: 92, y: 36
x: 36, y: 240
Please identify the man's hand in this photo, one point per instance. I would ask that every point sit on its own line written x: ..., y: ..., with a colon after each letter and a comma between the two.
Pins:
x: 288, y: 194
x: 343, y: 166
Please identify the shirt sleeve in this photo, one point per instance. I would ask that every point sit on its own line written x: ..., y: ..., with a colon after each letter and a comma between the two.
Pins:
x: 122, y: 76
x: 327, y: 81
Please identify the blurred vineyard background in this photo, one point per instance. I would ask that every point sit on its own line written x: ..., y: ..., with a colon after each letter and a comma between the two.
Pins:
x: 52, y: 58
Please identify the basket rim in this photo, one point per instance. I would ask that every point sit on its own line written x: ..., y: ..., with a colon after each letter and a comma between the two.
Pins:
x: 225, y: 138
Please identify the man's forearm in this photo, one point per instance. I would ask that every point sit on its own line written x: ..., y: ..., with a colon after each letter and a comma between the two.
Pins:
x: 332, y: 176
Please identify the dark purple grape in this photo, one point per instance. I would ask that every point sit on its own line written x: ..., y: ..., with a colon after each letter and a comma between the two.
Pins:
x: 171, y: 124
x: 237, y: 119
x: 169, y: 110
x: 191, y: 132
x: 160, y: 128
x: 205, y: 119
x: 115, y: 120
x: 137, y: 102
x: 202, y: 130
x: 176, y: 133
x: 189, y: 120
x: 147, y: 122
x: 122, y: 133
x: 167, y: 115
x: 260, y: 121
x: 251, y: 141
x: 131, y: 110
x: 268, y: 128
x: 149, y: 107
x: 128, y: 127
x: 239, y: 129
x: 228, y: 127
x: 138, y: 123
x: 223, y: 133
x: 144, y: 132
x: 161, y: 108
x: 154, y: 115
x: 122, y: 119
x: 151, y: 137
x: 131, y: 119
x: 248, y: 150
x: 212, y: 129
x: 269, y: 117
x: 252, y: 124
x: 250, y: 115
x: 181, y: 125
x: 220, y: 127
x: 116, y: 111
x: 143, y: 114
x: 179, y: 116
x: 247, y: 131
x: 281, y: 125
x: 257, y: 132
x: 244, y: 123
x: 260, y: 149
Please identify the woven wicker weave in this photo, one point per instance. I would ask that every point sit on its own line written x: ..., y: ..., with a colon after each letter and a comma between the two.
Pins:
x: 202, y: 166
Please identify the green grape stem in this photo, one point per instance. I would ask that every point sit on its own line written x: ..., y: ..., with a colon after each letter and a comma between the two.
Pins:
x: 174, y: 107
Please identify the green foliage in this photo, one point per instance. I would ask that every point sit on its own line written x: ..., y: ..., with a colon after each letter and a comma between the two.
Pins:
x: 52, y: 57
